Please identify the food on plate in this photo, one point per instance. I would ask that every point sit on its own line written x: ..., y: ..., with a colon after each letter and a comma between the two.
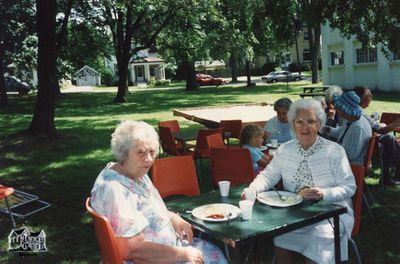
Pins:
x: 216, y: 216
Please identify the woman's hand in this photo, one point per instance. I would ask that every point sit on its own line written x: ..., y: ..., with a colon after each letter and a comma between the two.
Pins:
x: 313, y: 193
x: 190, y: 255
x: 182, y: 227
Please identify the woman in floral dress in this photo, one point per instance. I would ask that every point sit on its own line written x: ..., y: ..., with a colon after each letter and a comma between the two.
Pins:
x: 145, y: 229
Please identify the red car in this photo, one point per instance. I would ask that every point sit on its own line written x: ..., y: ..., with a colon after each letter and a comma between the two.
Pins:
x: 204, y: 79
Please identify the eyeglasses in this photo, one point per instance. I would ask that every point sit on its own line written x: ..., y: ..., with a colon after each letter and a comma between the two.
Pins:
x: 310, y: 123
x: 145, y: 153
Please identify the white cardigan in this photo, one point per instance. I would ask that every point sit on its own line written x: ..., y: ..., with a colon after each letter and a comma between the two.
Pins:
x: 330, y: 171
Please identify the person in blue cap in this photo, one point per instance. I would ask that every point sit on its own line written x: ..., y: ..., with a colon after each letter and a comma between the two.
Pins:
x: 356, y: 131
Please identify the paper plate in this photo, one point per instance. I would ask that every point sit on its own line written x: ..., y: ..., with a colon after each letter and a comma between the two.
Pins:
x: 225, y: 211
x: 271, y: 198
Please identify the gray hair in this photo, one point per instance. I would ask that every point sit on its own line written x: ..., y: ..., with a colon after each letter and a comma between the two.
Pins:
x: 331, y: 92
x: 128, y: 134
x: 283, y: 102
x: 307, y: 104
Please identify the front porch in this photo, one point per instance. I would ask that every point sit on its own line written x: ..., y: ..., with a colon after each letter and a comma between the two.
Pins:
x: 143, y: 69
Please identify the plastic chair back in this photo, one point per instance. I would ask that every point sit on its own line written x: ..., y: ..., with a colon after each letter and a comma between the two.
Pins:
x: 110, y: 253
x: 168, y: 142
x: 201, y: 148
x: 215, y: 141
x: 370, y: 152
x: 389, y: 117
x: 173, y: 124
x: 231, y: 164
x: 234, y: 127
x: 175, y: 176
x: 6, y: 191
x: 358, y: 172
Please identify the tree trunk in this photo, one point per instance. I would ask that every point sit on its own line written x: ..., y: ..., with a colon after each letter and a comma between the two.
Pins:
x: 234, y: 67
x: 191, y: 84
x: 249, y: 84
x: 315, y: 34
x: 3, y: 91
x: 297, y: 53
x: 122, y: 80
x: 43, y: 117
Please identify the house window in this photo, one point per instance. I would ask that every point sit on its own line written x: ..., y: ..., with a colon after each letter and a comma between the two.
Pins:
x: 396, y: 55
x: 306, y: 55
x: 337, y: 58
x: 306, y: 35
x: 366, y: 55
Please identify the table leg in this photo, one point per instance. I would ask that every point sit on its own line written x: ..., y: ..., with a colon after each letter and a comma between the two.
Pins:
x: 242, y: 253
x: 336, y: 229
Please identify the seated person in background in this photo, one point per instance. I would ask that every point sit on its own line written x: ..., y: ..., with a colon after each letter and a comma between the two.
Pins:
x: 390, y: 146
x: 354, y: 135
x: 317, y: 169
x: 251, y: 139
x: 146, y: 231
x: 332, y: 117
x: 278, y: 126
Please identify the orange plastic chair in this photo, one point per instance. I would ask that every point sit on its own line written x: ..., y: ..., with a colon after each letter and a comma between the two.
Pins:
x: 215, y: 141
x: 201, y: 149
x: 231, y: 164
x: 370, y: 152
x: 175, y: 176
x: 168, y: 142
x: 232, y: 129
x: 173, y: 124
x: 4, y: 193
x: 367, y: 168
x: 359, y: 172
x: 110, y: 252
x: 389, y: 117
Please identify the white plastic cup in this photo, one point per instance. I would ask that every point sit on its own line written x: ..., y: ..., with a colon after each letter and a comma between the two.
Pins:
x: 272, y: 152
x: 224, y: 188
x: 250, y: 194
x: 246, y: 207
x: 274, y: 143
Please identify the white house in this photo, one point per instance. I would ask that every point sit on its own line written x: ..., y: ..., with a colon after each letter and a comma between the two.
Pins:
x: 345, y: 62
x: 87, y: 76
x: 143, y: 69
x: 145, y: 65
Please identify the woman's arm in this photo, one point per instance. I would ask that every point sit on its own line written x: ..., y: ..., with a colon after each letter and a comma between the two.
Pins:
x: 264, y: 161
x: 142, y: 251
x: 344, y: 178
x: 181, y: 227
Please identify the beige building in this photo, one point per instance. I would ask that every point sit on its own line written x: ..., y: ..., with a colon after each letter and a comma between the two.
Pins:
x: 290, y: 56
x: 345, y: 62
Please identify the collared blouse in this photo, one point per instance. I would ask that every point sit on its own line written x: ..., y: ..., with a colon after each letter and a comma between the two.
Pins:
x: 330, y: 170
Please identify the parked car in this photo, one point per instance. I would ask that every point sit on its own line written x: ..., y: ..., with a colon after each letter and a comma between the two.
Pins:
x: 282, y: 76
x: 204, y: 79
x: 13, y: 84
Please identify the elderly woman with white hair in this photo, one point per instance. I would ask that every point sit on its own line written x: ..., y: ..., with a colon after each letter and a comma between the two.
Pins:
x: 317, y: 169
x: 146, y: 230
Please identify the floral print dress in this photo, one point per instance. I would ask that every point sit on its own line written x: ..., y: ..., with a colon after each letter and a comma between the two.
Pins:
x: 135, y: 206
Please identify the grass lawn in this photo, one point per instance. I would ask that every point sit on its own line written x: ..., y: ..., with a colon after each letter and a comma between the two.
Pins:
x: 62, y: 170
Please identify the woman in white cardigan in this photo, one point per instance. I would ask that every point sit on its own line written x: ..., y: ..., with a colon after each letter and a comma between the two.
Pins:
x: 318, y: 169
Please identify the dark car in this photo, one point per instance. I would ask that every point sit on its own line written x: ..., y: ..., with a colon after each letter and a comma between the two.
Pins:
x: 205, y: 79
x: 13, y: 84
